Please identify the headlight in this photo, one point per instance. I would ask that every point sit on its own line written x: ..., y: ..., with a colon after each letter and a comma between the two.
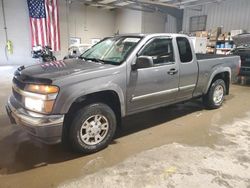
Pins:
x: 42, y: 89
x: 40, y: 98
x: 38, y: 105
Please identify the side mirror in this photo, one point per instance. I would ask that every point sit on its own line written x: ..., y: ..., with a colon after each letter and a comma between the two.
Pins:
x: 143, y: 62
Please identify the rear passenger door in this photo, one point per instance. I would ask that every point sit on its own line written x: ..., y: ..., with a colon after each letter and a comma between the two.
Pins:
x: 188, y: 69
x: 153, y: 86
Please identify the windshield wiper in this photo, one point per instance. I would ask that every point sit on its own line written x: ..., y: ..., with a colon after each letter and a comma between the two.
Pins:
x: 83, y: 58
x: 99, y: 60
x: 93, y: 59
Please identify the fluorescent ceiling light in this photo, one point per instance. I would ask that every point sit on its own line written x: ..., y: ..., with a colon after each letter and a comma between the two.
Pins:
x: 164, y: 1
x: 96, y: 5
x: 107, y: 1
x: 123, y: 3
x: 108, y: 7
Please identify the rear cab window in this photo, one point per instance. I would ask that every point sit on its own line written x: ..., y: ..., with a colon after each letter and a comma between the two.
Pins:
x: 184, y: 48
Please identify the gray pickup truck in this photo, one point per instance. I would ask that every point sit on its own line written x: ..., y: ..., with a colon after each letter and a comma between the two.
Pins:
x: 82, y: 101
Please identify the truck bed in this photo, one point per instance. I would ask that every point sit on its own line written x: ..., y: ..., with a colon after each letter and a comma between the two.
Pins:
x: 210, y: 56
x: 209, y: 64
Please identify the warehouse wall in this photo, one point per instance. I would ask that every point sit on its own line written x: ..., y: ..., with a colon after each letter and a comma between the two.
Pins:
x: 128, y: 21
x: 17, y: 21
x: 131, y: 21
x: 230, y: 14
x: 153, y: 22
x: 84, y: 22
x: 2, y: 37
x: 170, y: 24
x: 90, y: 22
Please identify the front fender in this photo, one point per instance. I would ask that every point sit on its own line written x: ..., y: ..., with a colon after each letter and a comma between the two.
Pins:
x: 74, y: 92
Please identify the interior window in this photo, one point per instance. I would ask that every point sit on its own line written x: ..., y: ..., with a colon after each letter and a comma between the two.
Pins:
x: 184, y: 49
x: 160, y: 49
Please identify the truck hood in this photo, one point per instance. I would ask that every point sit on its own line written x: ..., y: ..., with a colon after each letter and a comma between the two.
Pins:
x: 241, y: 40
x: 53, y: 70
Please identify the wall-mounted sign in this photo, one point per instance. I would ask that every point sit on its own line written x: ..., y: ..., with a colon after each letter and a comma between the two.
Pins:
x: 94, y: 41
x: 74, y: 40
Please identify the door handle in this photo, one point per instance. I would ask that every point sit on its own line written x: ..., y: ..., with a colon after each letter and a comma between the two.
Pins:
x: 172, y: 71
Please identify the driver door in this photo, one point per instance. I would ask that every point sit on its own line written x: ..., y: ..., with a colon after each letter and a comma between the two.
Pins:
x: 157, y: 85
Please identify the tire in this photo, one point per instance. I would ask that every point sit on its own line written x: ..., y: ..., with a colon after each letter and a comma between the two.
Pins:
x: 210, y: 100
x: 93, y: 128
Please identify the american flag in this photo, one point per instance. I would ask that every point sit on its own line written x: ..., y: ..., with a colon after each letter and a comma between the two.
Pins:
x: 44, y: 23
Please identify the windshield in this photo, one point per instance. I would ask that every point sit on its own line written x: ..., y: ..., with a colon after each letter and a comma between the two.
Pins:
x: 112, y: 50
x: 243, y: 46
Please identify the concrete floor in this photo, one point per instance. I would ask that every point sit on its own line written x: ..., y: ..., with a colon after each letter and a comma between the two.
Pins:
x: 183, y: 145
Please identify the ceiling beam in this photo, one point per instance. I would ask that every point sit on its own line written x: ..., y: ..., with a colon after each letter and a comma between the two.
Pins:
x: 191, y: 3
x: 200, y: 3
x: 185, y: 2
x: 156, y: 3
x: 139, y: 5
x: 97, y: 3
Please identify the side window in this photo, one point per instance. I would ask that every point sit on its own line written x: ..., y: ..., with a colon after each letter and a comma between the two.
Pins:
x: 184, y: 49
x: 160, y: 49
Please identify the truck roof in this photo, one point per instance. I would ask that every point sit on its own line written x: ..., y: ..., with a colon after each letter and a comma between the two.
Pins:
x: 153, y: 35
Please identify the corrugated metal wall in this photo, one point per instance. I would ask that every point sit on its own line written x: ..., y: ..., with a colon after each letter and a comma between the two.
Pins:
x: 230, y: 14
x: 170, y: 24
x: 153, y: 22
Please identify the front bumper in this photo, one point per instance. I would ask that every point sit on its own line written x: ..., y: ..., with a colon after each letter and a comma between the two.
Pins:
x: 46, y: 128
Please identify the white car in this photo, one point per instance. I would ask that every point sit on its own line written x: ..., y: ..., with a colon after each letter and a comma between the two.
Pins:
x: 76, y: 50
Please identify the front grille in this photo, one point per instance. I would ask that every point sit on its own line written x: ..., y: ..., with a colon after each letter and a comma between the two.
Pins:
x: 245, y: 61
x: 17, y: 96
x: 17, y: 83
x: 244, y: 56
x: 245, y: 69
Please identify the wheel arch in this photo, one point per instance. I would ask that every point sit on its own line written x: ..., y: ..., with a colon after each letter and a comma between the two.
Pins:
x: 108, y: 97
x: 224, y: 74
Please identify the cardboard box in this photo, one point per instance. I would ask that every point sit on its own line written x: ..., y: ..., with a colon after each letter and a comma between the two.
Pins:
x: 215, y: 32
x: 201, y: 34
x: 210, y: 50
x: 211, y: 43
x: 221, y: 37
x: 212, y: 38
x: 204, y: 34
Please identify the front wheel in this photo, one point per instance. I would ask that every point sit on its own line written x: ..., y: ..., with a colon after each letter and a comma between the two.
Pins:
x: 215, y: 96
x: 92, y: 128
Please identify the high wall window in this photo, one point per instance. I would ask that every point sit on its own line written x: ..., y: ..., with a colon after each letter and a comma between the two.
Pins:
x: 198, y: 23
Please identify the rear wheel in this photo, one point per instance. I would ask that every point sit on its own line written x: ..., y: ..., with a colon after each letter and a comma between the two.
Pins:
x: 92, y: 128
x: 215, y: 96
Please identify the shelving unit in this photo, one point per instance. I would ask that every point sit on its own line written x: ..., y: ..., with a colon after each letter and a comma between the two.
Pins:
x: 224, y: 46
x: 224, y: 49
x: 211, y: 46
x: 219, y: 42
x: 212, y: 40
